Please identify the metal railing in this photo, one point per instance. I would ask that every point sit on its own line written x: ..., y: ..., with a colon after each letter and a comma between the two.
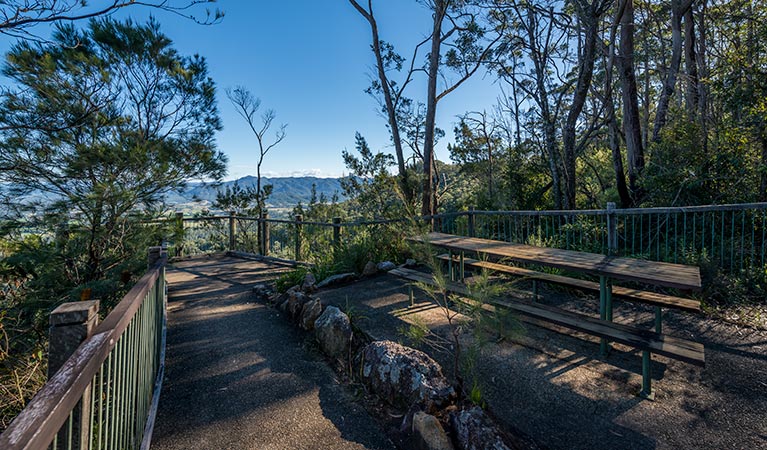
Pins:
x: 289, y: 239
x: 105, y: 395
x: 732, y: 237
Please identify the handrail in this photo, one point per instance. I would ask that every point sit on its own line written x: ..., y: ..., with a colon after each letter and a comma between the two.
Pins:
x: 543, y: 212
x: 37, y: 426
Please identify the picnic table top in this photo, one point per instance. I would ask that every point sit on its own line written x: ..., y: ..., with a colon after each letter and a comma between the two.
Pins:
x: 672, y: 275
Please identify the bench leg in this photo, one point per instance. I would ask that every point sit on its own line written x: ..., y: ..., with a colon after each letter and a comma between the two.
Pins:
x: 605, y: 310
x: 462, y: 268
x: 658, y: 319
x: 450, y: 265
x: 412, y: 297
x: 535, y: 290
x: 646, y: 391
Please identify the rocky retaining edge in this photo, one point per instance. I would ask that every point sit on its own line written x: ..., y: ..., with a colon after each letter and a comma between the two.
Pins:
x: 401, y: 376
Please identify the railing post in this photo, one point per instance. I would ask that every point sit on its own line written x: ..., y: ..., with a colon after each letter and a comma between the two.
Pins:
x: 299, y: 219
x: 232, y: 231
x: 264, y: 243
x: 471, y: 217
x: 336, y: 232
x: 70, y: 325
x: 612, y: 229
x: 179, y: 234
x: 153, y: 255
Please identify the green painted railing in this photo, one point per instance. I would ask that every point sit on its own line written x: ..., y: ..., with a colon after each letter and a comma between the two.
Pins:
x: 733, y: 237
x: 105, y: 395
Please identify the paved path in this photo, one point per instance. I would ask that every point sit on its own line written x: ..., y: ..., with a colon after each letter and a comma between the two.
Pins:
x: 556, y: 390
x: 238, y: 375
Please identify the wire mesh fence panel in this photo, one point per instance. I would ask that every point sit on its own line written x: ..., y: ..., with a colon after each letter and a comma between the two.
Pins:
x: 282, y: 239
x: 247, y: 235
x: 203, y: 235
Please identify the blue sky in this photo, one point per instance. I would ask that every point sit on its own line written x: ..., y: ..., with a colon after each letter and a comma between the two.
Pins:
x: 311, y: 62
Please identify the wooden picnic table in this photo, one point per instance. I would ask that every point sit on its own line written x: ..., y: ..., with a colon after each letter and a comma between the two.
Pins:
x: 656, y: 273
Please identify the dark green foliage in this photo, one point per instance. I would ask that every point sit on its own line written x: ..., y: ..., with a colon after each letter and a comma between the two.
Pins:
x: 103, y: 122
x: 290, y: 279
x: 371, y: 189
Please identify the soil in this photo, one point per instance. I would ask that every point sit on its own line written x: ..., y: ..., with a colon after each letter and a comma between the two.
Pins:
x: 557, y: 391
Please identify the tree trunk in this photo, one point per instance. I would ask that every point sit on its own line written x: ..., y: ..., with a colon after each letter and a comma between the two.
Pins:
x: 703, y: 75
x: 631, y: 118
x: 391, y: 114
x: 691, y: 65
x: 677, y: 11
x: 427, y: 206
x: 590, y: 23
x: 549, y: 125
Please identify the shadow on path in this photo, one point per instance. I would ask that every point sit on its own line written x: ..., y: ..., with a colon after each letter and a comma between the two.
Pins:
x: 239, y: 376
x: 557, y: 390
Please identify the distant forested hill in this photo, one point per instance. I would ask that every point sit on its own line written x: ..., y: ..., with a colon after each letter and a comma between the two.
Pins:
x: 288, y: 191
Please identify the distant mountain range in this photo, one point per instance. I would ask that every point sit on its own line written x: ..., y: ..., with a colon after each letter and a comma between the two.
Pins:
x: 286, y: 193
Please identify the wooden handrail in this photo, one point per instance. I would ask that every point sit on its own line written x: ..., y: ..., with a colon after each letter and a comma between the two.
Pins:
x: 39, y: 422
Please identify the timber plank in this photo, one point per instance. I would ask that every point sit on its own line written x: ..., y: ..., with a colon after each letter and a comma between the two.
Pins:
x: 651, y: 272
x: 650, y: 298
x: 673, y: 347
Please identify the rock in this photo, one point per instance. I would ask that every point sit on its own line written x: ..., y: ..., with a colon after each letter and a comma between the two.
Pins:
x: 473, y: 430
x: 262, y: 291
x: 309, y: 314
x: 296, y: 304
x: 403, y: 376
x: 280, y: 300
x: 429, y: 434
x: 337, y: 279
x: 410, y: 262
x: 309, y: 283
x: 370, y: 269
x: 385, y: 266
x: 333, y: 331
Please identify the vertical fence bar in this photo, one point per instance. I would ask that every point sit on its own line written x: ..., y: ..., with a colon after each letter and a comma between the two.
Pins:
x: 470, y: 222
x: 612, y: 235
x: 232, y: 231
x: 299, y: 219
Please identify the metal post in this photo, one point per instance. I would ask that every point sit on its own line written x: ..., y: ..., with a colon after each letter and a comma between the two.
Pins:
x: 232, y: 231
x: 299, y: 219
x: 646, y: 391
x: 612, y: 230
x: 153, y: 255
x: 70, y: 325
x: 179, y: 234
x: 605, y: 310
x: 336, y: 232
x: 471, y: 218
x: 266, y: 234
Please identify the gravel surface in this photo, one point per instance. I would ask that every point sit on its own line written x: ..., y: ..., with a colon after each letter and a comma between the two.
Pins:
x: 556, y: 390
x: 238, y: 375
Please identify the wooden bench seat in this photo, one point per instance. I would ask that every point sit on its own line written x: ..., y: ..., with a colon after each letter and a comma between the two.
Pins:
x: 650, y: 298
x: 670, y: 346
